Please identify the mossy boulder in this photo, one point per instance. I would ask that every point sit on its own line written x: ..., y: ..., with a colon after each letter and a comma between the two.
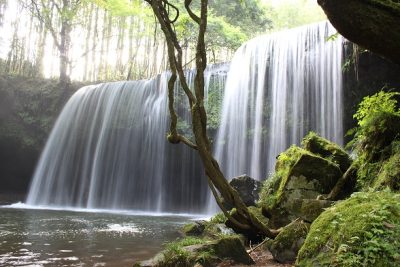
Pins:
x: 248, y: 189
x: 194, y: 229
x: 375, y: 137
x: 191, y: 251
x: 363, y: 230
x: 326, y: 149
x: 308, y: 209
x: 299, y: 174
x: 389, y: 175
x: 377, y: 145
x: 286, y: 245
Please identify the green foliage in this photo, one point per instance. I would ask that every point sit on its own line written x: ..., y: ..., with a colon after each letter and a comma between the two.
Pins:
x: 363, y: 230
x: 377, y: 103
x: 28, y: 109
x: 176, y: 255
x: 389, y: 171
x: 218, y: 218
x: 250, y: 16
x: 230, y: 23
x: 292, y: 13
x: 376, y: 141
x: 122, y: 8
x: 214, y: 104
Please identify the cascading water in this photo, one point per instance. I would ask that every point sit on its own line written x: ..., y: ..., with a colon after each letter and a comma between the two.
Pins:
x: 279, y: 87
x: 108, y: 147
x: 108, y: 150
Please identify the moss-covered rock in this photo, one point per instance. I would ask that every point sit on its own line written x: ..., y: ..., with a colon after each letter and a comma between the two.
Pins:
x: 191, y: 251
x: 287, y: 244
x: 299, y: 174
x: 377, y: 145
x: 308, y: 209
x: 326, y: 149
x: 363, y: 230
x: 389, y: 175
x: 194, y: 229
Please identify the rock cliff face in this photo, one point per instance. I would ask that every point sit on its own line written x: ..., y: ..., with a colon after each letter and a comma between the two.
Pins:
x: 365, y: 73
x: 28, y: 109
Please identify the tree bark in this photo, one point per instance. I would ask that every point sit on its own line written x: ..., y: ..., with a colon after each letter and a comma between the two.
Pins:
x: 245, y: 220
x: 372, y: 24
x: 65, y: 43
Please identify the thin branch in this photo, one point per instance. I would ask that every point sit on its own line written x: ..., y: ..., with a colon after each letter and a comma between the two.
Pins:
x: 221, y: 206
x: 191, y: 13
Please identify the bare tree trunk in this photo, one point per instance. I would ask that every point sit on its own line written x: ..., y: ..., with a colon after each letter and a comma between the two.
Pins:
x: 92, y: 74
x: 100, y: 72
x: 89, y: 16
x: 120, y: 47
x: 65, y: 42
x: 244, y: 220
x: 109, y: 30
x: 40, y: 50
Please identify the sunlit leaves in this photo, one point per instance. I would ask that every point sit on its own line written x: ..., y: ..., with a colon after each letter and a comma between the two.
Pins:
x: 379, y: 102
x: 124, y: 7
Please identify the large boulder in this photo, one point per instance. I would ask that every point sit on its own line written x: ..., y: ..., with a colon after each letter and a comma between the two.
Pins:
x: 248, y: 189
x: 286, y: 245
x: 326, y: 149
x: 363, y: 230
x: 299, y: 175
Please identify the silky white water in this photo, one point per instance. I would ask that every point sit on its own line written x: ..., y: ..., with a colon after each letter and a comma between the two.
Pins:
x: 108, y: 148
x: 279, y: 87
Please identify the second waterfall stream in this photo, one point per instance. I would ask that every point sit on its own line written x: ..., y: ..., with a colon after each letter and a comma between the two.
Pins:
x: 108, y: 148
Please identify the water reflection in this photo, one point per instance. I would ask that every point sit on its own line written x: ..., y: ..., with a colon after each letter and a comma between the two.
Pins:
x: 55, y: 238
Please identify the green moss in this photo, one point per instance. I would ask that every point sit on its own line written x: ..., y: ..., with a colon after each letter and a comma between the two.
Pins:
x: 326, y: 149
x: 363, y: 230
x: 272, y: 188
x: 175, y: 254
x: 376, y: 142
x: 194, y: 228
x: 286, y: 245
x: 189, y: 251
x: 218, y: 218
x: 389, y: 175
x: 290, y: 233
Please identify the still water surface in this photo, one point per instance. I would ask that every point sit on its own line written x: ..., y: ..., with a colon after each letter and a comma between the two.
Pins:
x: 68, y: 238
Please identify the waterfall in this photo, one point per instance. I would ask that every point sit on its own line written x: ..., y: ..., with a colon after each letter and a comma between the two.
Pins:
x: 108, y: 150
x: 279, y: 87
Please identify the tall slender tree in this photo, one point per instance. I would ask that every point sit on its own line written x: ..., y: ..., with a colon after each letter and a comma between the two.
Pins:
x: 167, y: 14
x: 60, y: 27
